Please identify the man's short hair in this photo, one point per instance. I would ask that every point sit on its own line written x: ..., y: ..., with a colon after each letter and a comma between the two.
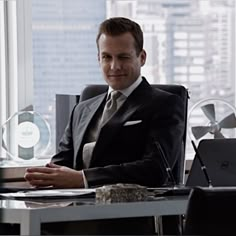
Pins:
x: 119, y: 25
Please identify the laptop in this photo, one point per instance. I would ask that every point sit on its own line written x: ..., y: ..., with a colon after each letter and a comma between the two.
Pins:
x: 219, y: 157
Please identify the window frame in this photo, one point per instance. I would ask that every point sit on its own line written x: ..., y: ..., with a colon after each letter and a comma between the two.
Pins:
x: 16, y: 77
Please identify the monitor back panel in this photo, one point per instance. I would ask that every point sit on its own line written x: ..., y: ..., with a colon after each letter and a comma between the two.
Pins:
x: 219, y: 157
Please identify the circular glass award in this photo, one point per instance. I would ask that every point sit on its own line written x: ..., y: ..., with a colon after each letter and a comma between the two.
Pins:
x: 25, y: 135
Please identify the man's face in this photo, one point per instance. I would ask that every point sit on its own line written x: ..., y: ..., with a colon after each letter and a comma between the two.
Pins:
x: 119, y: 61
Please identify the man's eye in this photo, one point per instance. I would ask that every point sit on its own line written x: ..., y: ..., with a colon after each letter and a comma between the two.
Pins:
x: 124, y: 57
x: 105, y: 57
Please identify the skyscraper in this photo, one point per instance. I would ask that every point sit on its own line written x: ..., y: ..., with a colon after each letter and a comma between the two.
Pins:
x: 189, y: 42
x: 64, y: 51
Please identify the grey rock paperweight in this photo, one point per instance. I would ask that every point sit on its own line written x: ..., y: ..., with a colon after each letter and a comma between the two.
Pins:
x: 121, y: 193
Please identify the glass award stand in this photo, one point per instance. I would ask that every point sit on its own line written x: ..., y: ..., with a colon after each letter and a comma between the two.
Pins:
x: 25, y: 137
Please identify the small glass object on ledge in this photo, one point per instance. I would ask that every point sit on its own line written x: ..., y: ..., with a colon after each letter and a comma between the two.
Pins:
x: 25, y: 136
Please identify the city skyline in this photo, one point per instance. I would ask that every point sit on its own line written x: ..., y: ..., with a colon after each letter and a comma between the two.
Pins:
x: 189, y: 42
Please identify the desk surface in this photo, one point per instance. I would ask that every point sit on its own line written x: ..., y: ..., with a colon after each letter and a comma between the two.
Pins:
x: 30, y: 214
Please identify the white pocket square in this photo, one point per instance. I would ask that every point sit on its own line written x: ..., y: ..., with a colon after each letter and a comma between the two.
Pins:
x: 132, y: 122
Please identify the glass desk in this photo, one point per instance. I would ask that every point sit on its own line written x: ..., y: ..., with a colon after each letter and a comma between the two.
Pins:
x: 30, y: 214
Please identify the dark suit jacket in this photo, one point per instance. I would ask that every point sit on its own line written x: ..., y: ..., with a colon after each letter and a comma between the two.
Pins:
x: 126, y: 153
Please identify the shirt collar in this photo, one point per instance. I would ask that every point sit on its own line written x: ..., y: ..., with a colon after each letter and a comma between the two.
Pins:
x: 127, y: 91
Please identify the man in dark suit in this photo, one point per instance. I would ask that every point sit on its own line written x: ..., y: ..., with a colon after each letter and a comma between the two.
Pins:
x: 94, y: 152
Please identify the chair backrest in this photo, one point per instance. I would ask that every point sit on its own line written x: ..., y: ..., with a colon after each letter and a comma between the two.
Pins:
x: 211, y: 211
x: 178, y: 170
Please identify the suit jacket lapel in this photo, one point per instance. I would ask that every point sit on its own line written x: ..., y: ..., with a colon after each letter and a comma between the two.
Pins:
x: 136, y: 100
x: 87, y: 115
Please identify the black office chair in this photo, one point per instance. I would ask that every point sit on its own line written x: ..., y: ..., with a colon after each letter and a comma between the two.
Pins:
x: 167, y: 225
x: 211, y: 211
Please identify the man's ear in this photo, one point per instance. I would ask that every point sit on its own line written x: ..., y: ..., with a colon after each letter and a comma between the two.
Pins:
x: 143, y: 57
x: 98, y: 57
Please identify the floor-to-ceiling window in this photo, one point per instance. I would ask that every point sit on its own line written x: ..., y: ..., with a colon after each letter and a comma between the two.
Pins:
x: 15, y: 65
x: 189, y: 42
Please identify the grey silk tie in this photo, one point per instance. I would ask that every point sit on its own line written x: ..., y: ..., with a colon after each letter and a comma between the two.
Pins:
x: 109, y: 109
x: 111, y: 106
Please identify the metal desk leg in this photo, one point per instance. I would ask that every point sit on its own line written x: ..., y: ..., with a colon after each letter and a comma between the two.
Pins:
x: 30, y: 224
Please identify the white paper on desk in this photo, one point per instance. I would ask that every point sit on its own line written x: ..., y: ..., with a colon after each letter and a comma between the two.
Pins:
x: 50, y: 193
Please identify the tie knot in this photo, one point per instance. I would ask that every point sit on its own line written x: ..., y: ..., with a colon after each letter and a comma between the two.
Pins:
x: 111, y: 106
x: 115, y: 94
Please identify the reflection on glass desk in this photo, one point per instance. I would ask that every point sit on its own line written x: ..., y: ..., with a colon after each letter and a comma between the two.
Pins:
x: 47, y: 193
x: 37, y: 204
x: 30, y: 214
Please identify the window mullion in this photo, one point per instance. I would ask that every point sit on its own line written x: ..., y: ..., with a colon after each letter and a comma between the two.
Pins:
x: 3, y: 66
x: 16, y: 84
x: 24, y: 54
x: 3, y: 76
x: 11, y: 65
